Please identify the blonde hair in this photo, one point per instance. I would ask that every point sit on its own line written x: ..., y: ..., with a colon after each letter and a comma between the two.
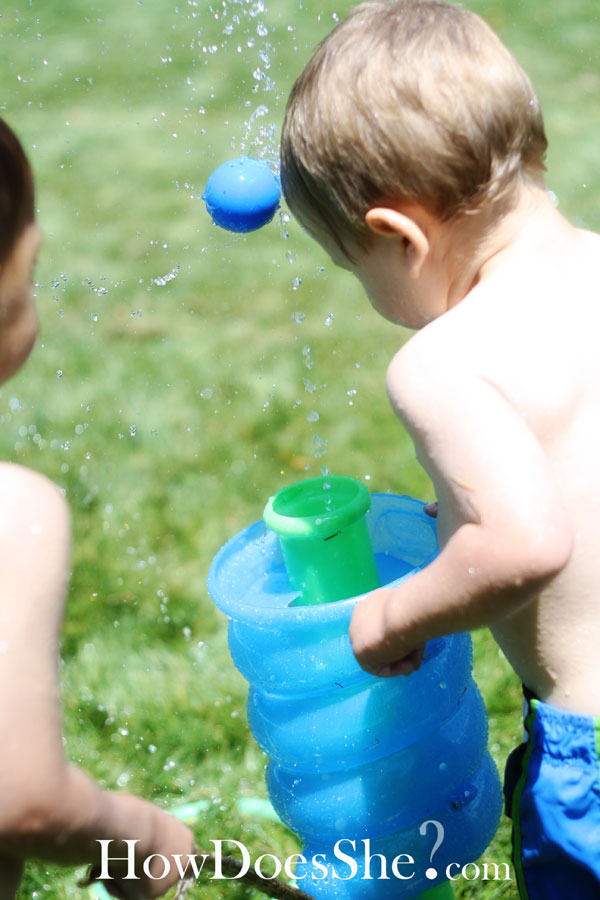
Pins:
x: 406, y: 101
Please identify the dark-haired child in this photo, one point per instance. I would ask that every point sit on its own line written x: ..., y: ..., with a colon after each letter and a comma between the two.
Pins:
x: 48, y: 809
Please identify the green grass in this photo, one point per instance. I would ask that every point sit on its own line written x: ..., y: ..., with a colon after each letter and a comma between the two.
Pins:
x: 169, y: 413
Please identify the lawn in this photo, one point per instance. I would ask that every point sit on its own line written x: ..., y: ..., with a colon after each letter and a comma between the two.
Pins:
x: 183, y: 374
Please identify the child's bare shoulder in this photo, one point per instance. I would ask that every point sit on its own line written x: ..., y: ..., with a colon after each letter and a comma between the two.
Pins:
x: 33, y: 512
x: 592, y: 240
x: 429, y: 363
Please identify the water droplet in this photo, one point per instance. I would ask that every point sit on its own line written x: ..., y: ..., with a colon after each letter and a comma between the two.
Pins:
x: 284, y: 219
x: 329, y: 319
x: 307, y: 360
x: 295, y: 283
x: 133, y: 430
x: 313, y: 416
x: 319, y: 447
x: 298, y: 317
x: 165, y: 279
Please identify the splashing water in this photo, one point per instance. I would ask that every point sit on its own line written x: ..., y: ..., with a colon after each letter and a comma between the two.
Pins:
x: 165, y: 279
x: 245, y: 29
x: 248, y: 30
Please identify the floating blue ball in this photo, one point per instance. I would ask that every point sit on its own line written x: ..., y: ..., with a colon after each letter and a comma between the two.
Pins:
x: 242, y: 194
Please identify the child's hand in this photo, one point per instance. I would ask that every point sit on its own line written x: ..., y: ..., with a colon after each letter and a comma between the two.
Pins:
x: 431, y: 509
x: 377, y: 648
x: 167, y: 836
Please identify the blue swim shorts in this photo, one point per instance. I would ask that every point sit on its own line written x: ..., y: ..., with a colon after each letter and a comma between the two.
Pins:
x: 552, y: 793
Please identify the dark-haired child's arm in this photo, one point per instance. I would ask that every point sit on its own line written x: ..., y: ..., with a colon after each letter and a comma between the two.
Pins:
x: 508, y: 531
x: 48, y: 809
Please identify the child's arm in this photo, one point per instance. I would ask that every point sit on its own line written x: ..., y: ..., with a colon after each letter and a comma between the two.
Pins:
x: 49, y: 809
x: 513, y: 531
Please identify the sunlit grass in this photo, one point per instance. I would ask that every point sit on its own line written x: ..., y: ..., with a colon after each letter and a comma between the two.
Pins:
x: 169, y: 412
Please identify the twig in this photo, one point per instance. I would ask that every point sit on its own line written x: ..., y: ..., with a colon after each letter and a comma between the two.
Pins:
x: 230, y: 866
x: 272, y: 887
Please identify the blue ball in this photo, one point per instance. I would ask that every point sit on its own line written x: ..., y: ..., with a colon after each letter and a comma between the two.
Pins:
x: 242, y: 194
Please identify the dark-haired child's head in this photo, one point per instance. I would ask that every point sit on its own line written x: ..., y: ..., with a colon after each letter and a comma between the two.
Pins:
x: 19, y: 243
x: 16, y: 191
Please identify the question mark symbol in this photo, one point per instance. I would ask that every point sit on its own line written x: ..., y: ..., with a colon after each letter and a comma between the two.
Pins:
x: 431, y: 873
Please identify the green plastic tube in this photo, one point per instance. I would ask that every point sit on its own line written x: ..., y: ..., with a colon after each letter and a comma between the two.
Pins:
x: 324, y: 538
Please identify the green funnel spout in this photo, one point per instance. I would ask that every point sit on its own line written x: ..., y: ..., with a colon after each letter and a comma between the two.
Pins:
x: 324, y: 538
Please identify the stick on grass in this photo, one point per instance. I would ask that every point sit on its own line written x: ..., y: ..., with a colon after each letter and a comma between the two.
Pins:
x: 231, y: 867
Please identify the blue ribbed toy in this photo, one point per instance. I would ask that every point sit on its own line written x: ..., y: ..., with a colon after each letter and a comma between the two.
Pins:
x: 354, y: 757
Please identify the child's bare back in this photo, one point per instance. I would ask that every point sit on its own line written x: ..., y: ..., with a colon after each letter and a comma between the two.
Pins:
x: 515, y: 373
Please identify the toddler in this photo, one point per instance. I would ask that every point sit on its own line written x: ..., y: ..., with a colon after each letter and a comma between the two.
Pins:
x: 413, y: 152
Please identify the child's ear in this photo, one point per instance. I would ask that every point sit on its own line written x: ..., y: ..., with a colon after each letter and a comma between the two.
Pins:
x: 392, y: 223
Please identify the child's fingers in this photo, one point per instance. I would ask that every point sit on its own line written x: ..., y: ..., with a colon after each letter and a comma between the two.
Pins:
x: 115, y: 889
x: 405, y: 666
